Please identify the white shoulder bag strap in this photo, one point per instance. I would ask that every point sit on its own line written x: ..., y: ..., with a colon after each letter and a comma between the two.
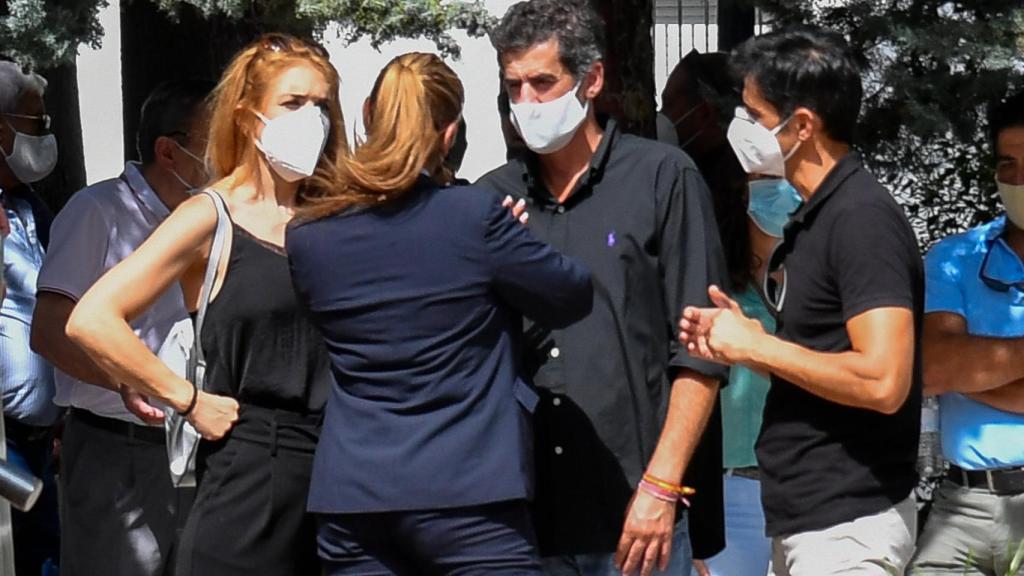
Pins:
x: 199, y: 364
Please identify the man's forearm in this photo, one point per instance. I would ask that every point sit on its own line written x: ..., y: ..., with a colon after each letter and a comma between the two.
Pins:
x: 1009, y: 397
x: 967, y: 364
x: 49, y: 341
x: 692, y: 398
x: 848, y: 378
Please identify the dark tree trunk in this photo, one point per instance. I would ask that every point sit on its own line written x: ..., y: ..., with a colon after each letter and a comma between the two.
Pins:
x: 735, y: 23
x: 629, y: 64
x: 155, y: 49
x: 62, y: 105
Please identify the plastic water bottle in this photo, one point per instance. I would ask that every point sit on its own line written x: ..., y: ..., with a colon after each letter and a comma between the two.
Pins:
x: 929, y: 452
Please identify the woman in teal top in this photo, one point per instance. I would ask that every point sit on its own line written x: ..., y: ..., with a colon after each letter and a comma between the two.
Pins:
x: 750, y: 230
x: 743, y: 399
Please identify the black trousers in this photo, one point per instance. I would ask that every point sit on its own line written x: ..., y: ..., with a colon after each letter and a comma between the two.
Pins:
x: 249, y: 517
x: 483, y: 540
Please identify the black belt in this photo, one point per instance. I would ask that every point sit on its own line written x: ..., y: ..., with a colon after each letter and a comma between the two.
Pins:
x: 999, y: 481
x: 16, y: 431
x: 151, y: 434
x: 749, y: 472
x: 276, y: 428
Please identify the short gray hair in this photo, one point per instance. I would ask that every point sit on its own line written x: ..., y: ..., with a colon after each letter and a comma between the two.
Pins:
x: 573, y: 23
x: 15, y: 83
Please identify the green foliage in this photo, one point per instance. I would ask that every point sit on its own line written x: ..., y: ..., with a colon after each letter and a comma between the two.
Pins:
x: 1017, y: 561
x: 385, y: 20
x: 44, y: 33
x: 379, y: 20
x: 931, y: 69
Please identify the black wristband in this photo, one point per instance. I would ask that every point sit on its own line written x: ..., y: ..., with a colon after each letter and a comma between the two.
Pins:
x: 192, y: 403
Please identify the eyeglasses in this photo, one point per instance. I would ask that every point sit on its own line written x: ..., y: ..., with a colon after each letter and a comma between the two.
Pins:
x: 42, y: 120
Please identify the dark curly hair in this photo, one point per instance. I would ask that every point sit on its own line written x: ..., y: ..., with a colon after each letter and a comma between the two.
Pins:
x: 573, y: 23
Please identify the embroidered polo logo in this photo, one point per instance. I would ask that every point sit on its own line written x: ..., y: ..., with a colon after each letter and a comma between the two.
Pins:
x: 611, y: 238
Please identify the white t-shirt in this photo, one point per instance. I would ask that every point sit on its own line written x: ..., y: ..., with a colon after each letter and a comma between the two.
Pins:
x: 100, y: 226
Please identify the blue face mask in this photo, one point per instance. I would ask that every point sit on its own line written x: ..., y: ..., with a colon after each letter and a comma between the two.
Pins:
x: 771, y: 202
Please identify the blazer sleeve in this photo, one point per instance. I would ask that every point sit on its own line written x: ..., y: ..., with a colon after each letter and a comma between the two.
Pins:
x: 546, y: 286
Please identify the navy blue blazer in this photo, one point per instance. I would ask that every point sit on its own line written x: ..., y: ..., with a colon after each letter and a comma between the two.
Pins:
x: 420, y: 305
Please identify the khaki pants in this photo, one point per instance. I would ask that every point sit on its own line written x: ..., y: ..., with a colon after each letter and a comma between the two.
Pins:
x: 970, y: 531
x: 880, y: 544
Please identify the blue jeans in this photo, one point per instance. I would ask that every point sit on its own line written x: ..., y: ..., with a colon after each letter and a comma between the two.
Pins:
x: 747, y: 550
x: 603, y: 564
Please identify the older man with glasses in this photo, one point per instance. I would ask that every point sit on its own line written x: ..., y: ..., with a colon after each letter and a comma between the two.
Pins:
x: 124, y: 524
x: 28, y: 153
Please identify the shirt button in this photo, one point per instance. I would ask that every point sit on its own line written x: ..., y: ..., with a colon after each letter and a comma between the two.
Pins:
x: 558, y: 450
x: 560, y: 209
x: 555, y: 352
x: 557, y: 401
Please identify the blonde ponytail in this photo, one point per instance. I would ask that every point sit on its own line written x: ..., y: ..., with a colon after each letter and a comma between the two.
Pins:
x: 415, y: 98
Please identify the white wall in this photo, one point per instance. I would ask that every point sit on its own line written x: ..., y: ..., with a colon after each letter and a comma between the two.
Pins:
x: 99, y: 96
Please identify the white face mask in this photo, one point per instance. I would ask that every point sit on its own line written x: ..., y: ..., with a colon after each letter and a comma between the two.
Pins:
x: 547, y: 127
x: 756, y: 147
x: 33, y: 157
x: 185, y: 183
x: 293, y: 142
x: 1012, y: 196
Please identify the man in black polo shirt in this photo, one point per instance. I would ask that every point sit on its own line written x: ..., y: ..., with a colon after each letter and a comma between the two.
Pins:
x: 838, y: 444
x: 622, y: 400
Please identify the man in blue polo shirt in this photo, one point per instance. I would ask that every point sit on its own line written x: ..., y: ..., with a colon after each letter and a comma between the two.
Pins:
x: 974, y: 360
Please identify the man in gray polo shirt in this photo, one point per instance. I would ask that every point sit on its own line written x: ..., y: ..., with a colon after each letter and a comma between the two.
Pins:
x: 119, y: 510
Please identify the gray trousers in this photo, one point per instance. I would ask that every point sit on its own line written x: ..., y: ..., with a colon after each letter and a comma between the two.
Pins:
x: 118, y: 506
x: 877, y: 545
x: 970, y: 531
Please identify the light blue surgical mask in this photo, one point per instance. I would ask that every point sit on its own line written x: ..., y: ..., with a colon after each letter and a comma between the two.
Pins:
x: 771, y: 202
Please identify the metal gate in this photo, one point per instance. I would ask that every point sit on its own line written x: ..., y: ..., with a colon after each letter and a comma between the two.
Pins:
x: 681, y: 26
x: 684, y: 25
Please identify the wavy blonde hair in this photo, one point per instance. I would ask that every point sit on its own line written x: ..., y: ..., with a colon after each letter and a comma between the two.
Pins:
x: 241, y: 91
x: 415, y: 98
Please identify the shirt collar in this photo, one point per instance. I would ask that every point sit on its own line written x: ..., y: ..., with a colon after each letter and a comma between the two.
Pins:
x: 843, y: 169
x: 531, y: 165
x: 143, y: 191
x: 1001, y: 264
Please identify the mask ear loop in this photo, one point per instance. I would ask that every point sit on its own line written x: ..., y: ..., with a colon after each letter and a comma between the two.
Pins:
x: 775, y: 131
x: 14, y: 139
x: 206, y: 170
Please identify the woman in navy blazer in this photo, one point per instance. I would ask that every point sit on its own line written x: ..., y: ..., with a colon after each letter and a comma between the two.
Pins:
x: 424, y: 463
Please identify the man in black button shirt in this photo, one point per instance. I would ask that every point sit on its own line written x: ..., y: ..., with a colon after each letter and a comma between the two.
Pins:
x: 839, y: 439
x: 621, y: 398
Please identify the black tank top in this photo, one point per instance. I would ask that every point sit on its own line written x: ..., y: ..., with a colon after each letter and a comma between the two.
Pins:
x: 260, y: 347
